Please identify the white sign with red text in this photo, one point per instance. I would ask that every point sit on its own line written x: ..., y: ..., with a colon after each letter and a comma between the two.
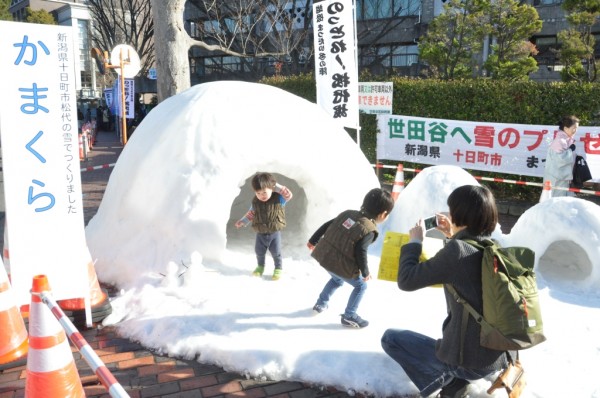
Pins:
x: 40, y: 159
x: 495, y: 147
x: 375, y: 98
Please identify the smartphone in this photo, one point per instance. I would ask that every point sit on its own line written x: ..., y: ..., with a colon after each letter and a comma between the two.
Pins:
x: 430, y: 222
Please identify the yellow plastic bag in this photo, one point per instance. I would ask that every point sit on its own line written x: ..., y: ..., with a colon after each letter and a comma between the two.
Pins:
x: 390, y: 253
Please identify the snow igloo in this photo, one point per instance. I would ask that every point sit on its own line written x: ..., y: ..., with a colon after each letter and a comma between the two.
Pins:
x: 564, y: 232
x: 183, y: 178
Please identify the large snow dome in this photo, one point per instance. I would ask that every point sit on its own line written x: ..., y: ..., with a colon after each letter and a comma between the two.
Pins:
x: 182, y: 180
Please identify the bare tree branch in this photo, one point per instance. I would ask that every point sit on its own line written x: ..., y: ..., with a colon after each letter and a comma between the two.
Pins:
x: 124, y: 22
x: 252, y: 29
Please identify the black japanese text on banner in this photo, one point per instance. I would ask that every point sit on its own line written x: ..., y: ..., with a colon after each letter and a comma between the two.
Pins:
x: 129, y: 98
x: 336, y: 73
x: 495, y: 147
x: 42, y: 181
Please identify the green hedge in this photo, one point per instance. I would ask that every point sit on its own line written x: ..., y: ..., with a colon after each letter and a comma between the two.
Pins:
x: 474, y: 100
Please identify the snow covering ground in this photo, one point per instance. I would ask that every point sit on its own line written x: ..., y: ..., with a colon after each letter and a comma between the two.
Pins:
x: 164, y: 236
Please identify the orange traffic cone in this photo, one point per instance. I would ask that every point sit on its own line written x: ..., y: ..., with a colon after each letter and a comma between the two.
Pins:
x: 546, y: 192
x: 51, y: 370
x: 81, y: 151
x: 5, y: 254
x: 398, y: 182
x: 101, y: 307
x: 13, y: 335
x: 6, y: 258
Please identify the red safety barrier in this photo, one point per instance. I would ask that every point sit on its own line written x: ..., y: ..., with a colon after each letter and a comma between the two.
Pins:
x: 104, y: 166
x: 503, y: 180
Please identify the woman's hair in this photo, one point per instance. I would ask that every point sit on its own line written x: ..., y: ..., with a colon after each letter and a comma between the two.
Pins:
x: 473, y: 207
x: 567, y: 121
x: 377, y: 201
x: 262, y: 181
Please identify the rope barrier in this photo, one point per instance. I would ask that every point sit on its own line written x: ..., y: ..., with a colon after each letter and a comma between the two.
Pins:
x: 502, y: 180
x: 104, y: 166
x: 385, y: 166
x: 93, y: 360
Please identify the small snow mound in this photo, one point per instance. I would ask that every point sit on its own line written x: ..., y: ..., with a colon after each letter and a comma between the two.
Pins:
x: 563, y: 232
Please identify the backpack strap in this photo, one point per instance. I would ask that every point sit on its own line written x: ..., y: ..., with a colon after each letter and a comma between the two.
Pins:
x: 468, y: 308
x: 479, y: 244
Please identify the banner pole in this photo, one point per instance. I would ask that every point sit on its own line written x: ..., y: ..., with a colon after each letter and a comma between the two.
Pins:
x: 123, y: 108
x: 357, y: 73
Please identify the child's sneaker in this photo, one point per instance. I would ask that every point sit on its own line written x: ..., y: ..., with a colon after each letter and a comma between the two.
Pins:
x: 276, y: 274
x: 259, y: 270
x: 319, y: 308
x: 354, y: 321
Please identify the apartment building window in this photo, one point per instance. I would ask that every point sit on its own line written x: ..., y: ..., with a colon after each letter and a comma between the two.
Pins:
x: 217, y: 65
x: 381, y: 9
x: 547, y: 50
x: 390, y: 57
x: 196, y: 66
x: 405, y: 55
x: 546, y: 2
x: 84, y: 49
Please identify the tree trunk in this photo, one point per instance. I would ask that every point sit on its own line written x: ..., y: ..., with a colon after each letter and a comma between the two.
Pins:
x: 171, y: 43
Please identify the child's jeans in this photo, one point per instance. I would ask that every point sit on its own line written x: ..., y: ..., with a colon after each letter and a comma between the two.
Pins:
x: 359, y: 284
x: 272, y: 242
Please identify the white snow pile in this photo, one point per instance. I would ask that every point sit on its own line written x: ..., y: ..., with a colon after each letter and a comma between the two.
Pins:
x: 164, y: 235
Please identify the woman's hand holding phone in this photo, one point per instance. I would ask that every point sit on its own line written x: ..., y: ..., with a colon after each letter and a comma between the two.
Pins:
x: 444, y: 224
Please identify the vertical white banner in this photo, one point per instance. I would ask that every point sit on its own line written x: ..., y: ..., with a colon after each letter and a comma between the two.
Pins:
x: 40, y: 159
x: 108, y: 98
x: 336, y: 72
x: 129, y: 98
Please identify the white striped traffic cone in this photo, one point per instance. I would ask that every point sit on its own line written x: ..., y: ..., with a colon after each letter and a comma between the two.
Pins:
x: 13, y: 336
x: 547, y: 191
x: 398, y: 182
x: 51, y: 370
x: 99, y: 301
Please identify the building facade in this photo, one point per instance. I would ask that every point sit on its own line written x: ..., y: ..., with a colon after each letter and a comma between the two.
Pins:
x: 73, y: 13
x: 388, y: 32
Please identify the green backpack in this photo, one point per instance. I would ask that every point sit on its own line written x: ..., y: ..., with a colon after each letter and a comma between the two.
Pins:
x: 512, y: 319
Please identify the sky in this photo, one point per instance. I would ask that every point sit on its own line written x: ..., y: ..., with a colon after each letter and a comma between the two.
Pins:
x: 164, y: 236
